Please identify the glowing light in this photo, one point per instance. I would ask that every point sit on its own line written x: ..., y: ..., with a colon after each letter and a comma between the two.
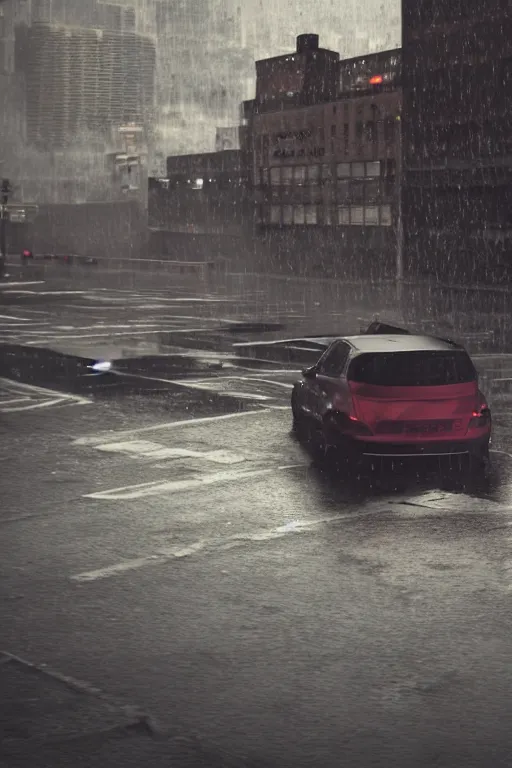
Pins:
x: 102, y: 366
x: 376, y: 80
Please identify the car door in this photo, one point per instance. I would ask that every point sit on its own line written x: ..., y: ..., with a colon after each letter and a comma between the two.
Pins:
x: 328, y: 380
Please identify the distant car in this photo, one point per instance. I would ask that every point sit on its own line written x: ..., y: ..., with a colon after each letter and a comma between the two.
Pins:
x: 395, y: 395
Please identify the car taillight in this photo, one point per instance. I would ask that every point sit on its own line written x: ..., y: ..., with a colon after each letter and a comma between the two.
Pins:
x: 481, y: 416
x: 349, y: 425
x: 356, y: 427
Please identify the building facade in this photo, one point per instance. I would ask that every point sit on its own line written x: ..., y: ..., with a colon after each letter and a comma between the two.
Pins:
x: 457, y: 143
x: 325, y: 141
x: 314, y: 189
x: 203, y: 208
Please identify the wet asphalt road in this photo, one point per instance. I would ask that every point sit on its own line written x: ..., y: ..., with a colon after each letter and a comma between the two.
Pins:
x: 171, y: 543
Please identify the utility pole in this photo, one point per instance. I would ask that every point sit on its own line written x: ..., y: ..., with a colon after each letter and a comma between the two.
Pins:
x: 399, y: 219
x: 6, y: 188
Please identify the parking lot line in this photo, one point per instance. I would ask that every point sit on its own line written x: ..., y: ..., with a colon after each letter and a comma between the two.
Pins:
x: 105, y: 436
x: 211, y: 546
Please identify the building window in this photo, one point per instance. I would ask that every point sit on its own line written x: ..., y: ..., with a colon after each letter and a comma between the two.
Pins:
x: 287, y: 215
x: 275, y: 177
x: 314, y: 174
x: 370, y: 132
x: 385, y: 215
x: 327, y: 216
x: 343, y: 188
x: 372, y: 191
x: 343, y: 216
x: 373, y: 169
x: 389, y: 130
x: 333, y: 130
x: 390, y: 169
x: 371, y: 215
x: 358, y: 170
x: 359, y: 131
x: 345, y: 138
x: 326, y: 173
x: 343, y: 170
x: 310, y: 212
x: 298, y: 214
x: 299, y: 174
x: 357, y: 190
x: 275, y: 214
x: 357, y: 215
x: 287, y: 176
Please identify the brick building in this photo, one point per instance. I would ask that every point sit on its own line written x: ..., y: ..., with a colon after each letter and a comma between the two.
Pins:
x: 457, y: 186
x: 325, y: 142
x: 315, y: 190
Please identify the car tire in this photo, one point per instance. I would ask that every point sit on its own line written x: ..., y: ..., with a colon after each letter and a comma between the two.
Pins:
x: 300, y: 422
x: 479, y: 462
x: 339, y: 450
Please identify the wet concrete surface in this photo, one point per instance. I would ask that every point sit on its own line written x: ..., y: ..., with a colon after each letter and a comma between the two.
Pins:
x: 169, y: 541
x: 197, y: 562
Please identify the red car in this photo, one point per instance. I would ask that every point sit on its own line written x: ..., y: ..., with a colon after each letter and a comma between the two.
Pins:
x: 395, y: 395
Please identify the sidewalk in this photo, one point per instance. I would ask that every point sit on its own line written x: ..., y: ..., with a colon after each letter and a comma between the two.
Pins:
x: 48, y: 721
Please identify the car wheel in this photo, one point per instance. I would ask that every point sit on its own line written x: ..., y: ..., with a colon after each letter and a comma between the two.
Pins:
x: 337, y: 448
x: 300, y: 422
x: 479, y: 463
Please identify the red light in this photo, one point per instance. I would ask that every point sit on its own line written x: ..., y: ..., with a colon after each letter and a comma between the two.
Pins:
x: 26, y: 253
x: 376, y: 80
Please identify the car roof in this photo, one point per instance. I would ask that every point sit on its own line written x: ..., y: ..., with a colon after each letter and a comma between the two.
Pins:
x: 400, y: 343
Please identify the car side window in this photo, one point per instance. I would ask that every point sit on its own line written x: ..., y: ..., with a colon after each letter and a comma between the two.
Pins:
x: 333, y: 364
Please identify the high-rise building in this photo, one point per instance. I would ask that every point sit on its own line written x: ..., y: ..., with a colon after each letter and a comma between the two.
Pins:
x: 203, y: 72
x: 457, y: 144
x: 78, y: 78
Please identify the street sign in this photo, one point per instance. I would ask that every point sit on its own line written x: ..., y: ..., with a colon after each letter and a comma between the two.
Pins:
x: 17, y: 217
x: 17, y: 213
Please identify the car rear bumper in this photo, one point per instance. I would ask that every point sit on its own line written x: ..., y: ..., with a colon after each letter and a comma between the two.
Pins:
x: 475, y: 447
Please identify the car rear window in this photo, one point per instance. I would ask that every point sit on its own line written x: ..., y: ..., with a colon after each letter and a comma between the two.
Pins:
x: 412, y: 369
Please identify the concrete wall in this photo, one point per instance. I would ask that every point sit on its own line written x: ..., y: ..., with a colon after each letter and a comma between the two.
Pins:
x: 91, y: 229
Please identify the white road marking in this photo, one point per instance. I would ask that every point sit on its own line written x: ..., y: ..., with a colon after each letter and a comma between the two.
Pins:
x: 45, y: 293
x: 156, y: 488
x: 211, y: 546
x: 51, y: 397
x: 102, y: 437
x: 42, y: 390
x: 31, y: 282
x: 15, y: 317
x: 44, y: 404
x: 15, y: 400
x: 502, y: 453
x: 211, y: 382
x: 148, y: 450
x: 187, y: 383
x: 124, y: 333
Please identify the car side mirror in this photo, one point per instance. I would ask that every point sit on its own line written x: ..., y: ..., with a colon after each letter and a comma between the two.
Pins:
x: 309, y: 373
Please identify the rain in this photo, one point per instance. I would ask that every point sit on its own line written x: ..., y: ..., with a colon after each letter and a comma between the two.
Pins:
x: 255, y: 377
